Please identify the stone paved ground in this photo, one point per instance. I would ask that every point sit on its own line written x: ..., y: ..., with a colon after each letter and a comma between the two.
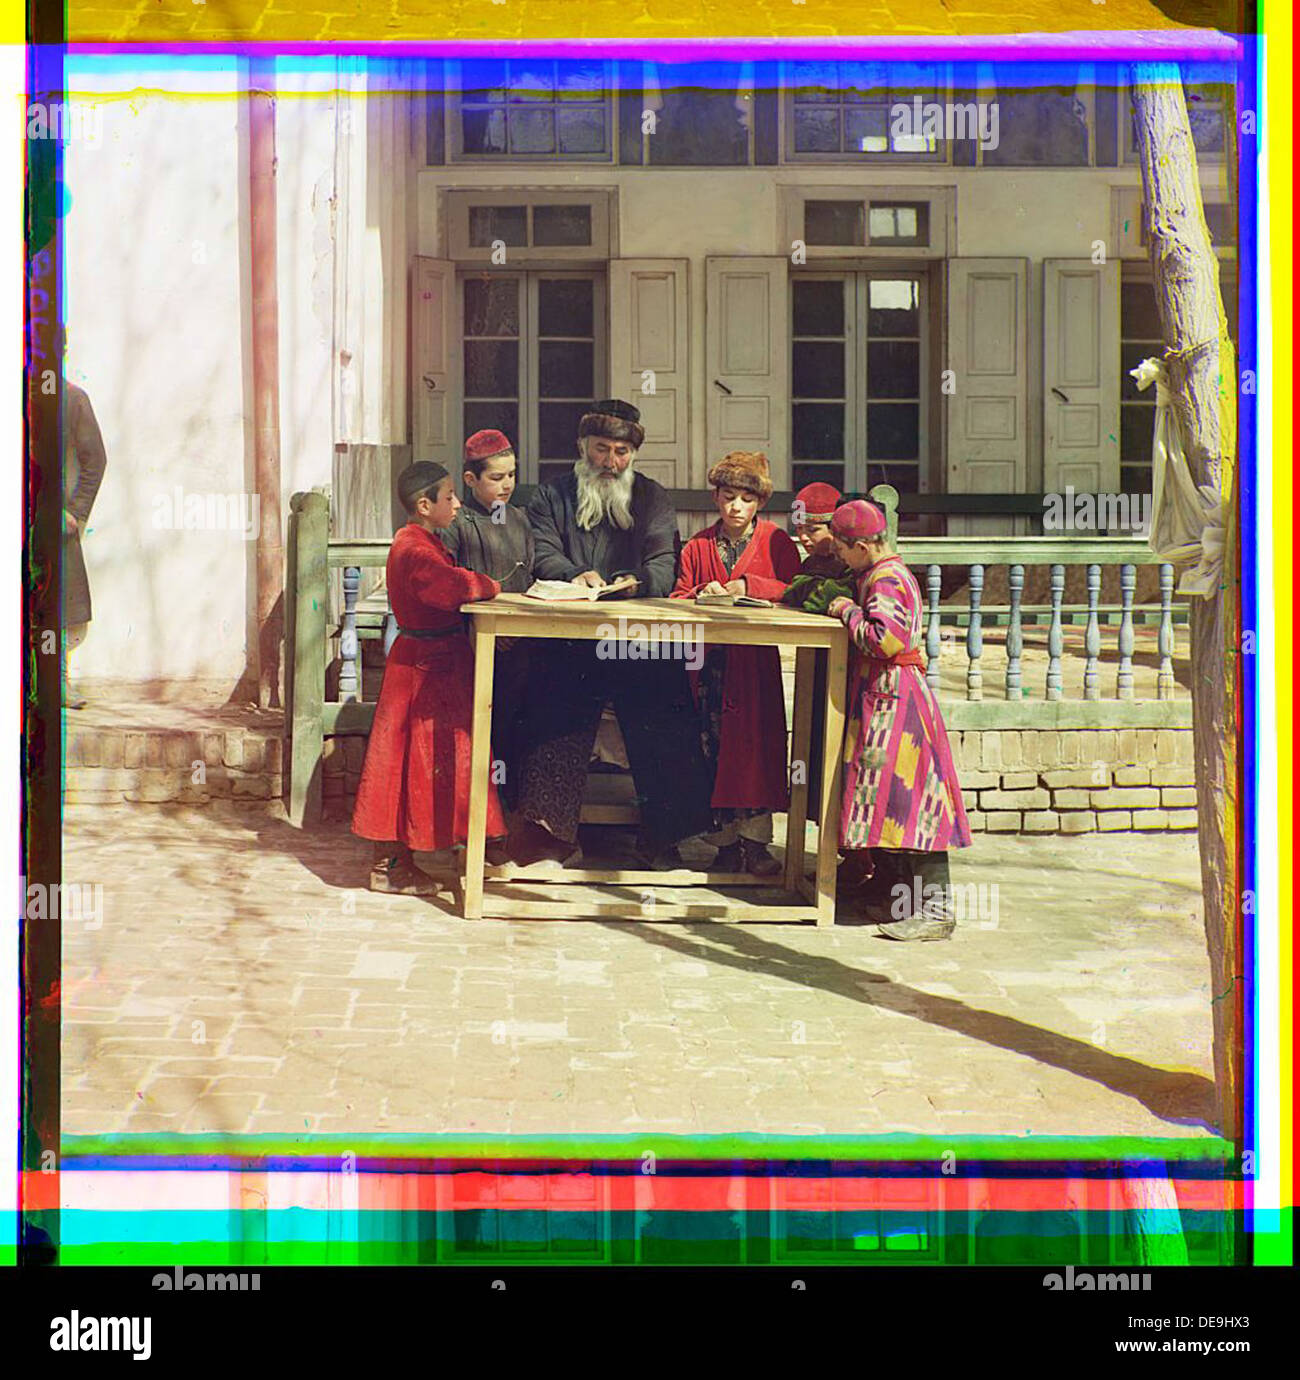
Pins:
x: 243, y: 981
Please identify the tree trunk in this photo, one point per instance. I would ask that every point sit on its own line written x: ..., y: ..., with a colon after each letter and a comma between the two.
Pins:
x: 1203, y: 380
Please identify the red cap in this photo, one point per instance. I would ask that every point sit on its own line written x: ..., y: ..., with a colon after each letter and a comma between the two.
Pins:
x: 858, y: 519
x: 817, y: 502
x: 484, y: 445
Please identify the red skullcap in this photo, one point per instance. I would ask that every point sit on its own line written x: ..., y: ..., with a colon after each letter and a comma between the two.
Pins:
x: 858, y: 519
x: 818, y: 501
x: 484, y: 445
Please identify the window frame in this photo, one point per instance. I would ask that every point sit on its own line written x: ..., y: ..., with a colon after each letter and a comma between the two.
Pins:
x: 455, y: 128
x: 856, y: 281
x: 528, y: 441
x: 942, y: 202
x: 456, y: 204
x: 1085, y: 90
x: 942, y: 157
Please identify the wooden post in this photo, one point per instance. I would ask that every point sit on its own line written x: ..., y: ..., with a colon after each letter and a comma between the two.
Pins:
x: 311, y: 552
x: 1203, y: 383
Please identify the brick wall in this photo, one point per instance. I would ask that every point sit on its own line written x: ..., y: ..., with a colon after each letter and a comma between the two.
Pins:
x: 115, y: 766
x: 1076, y: 782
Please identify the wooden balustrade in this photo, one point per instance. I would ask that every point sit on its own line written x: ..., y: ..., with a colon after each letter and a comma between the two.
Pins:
x: 312, y: 555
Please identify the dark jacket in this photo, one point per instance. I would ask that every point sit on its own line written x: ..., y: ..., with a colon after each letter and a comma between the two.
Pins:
x: 648, y: 549
x: 83, y: 471
x: 503, y: 550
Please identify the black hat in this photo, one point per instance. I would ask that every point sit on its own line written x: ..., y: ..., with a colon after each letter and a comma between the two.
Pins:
x: 615, y: 420
x: 416, y: 480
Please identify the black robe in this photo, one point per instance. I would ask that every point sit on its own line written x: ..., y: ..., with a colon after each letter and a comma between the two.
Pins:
x: 503, y: 550
x: 648, y: 549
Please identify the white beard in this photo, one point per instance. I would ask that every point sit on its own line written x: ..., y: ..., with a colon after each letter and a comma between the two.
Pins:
x: 602, y: 499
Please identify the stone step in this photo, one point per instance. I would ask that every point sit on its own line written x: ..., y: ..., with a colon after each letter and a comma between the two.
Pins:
x: 119, y: 764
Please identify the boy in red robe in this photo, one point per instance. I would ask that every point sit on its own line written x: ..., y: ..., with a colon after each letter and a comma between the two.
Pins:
x: 414, y: 791
x: 742, y: 707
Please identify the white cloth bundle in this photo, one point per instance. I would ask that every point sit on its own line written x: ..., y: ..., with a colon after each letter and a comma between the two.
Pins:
x: 1188, y: 521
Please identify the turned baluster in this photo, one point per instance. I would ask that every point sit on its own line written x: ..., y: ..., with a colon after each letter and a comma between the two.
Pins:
x: 349, y: 679
x: 1055, y: 640
x: 1124, y: 680
x: 975, y: 637
x: 1092, y: 637
x: 1015, y: 639
x: 1165, y: 677
x: 933, y: 643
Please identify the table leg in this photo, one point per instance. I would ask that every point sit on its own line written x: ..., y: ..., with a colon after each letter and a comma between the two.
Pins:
x: 479, y: 767
x: 805, y: 665
x: 828, y: 833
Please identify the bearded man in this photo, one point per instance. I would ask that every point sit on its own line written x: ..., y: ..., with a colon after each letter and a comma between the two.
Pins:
x: 600, y: 522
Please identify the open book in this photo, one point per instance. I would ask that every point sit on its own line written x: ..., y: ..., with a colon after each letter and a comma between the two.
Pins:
x: 744, y: 601
x: 556, y: 591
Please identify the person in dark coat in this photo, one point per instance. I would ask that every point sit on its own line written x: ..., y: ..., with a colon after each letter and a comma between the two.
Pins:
x: 495, y: 539
x: 83, y: 472
x: 600, y: 522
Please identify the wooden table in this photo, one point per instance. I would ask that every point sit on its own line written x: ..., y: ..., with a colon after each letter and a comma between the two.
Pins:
x: 662, y: 621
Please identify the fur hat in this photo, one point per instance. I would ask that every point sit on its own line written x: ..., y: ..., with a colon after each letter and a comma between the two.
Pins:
x: 743, y: 469
x: 858, y: 520
x: 418, y: 479
x: 487, y: 445
x: 816, y: 502
x: 615, y: 420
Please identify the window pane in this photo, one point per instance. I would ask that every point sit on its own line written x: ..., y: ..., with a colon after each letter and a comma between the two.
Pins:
x: 819, y: 308
x: 566, y: 368
x: 583, y: 81
x: 550, y: 470
x: 532, y: 131
x: 818, y: 369
x: 561, y: 225
x: 1207, y: 126
x: 1135, y: 479
x: 483, y: 131
x: 815, y: 81
x: 816, y: 129
x: 893, y: 369
x: 1047, y: 128
x: 893, y: 307
x: 532, y: 81
x: 497, y: 416
x: 818, y: 431
x: 893, y: 431
x: 581, y: 129
x: 1139, y: 317
x: 559, y: 429
x: 492, y: 306
x: 483, y: 81
x: 816, y: 474
x: 491, y: 368
x: 1222, y: 222
x: 864, y: 81
x: 899, y: 222
x: 506, y: 223
x: 866, y: 129
x: 1136, y: 429
x: 565, y: 306
x: 834, y: 222
x: 905, y: 478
